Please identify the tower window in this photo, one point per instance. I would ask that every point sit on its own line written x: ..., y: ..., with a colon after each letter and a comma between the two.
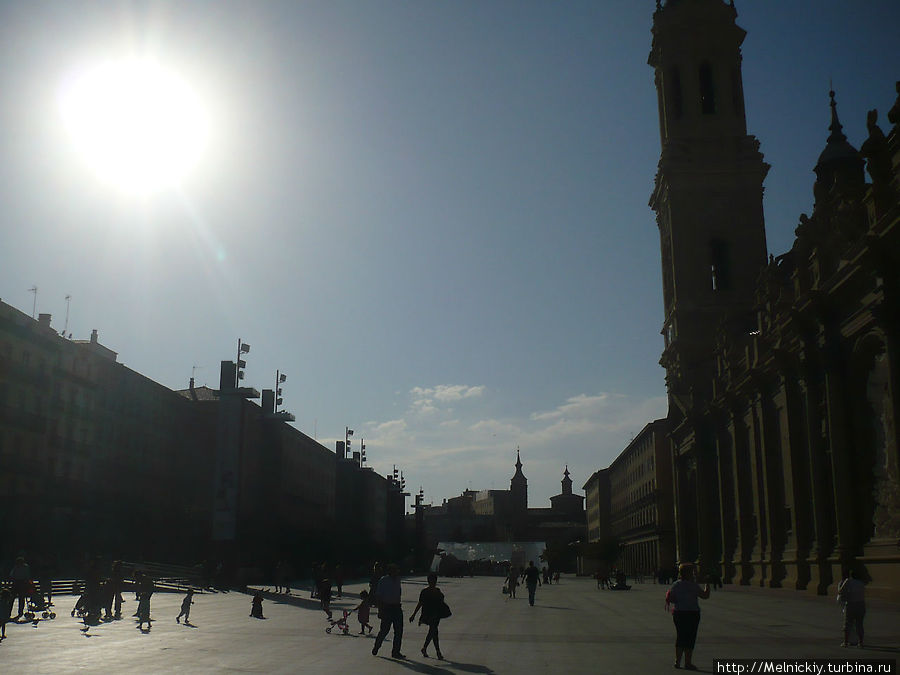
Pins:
x: 707, y: 90
x: 719, y: 264
x: 737, y: 92
x: 675, y: 93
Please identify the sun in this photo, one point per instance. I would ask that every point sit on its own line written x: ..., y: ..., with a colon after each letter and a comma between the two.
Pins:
x: 138, y: 126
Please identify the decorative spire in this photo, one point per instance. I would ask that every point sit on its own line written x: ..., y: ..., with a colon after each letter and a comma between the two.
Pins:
x: 566, y: 482
x: 518, y: 461
x: 836, y: 129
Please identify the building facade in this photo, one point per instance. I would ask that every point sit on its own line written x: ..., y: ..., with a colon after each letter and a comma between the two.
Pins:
x: 781, y: 373
x: 504, y: 516
x: 641, y: 519
x: 96, y: 459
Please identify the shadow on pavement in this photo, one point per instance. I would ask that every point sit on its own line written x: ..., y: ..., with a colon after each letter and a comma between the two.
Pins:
x: 468, y: 667
x: 417, y: 667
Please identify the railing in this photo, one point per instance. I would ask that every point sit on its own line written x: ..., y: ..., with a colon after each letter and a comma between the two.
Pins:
x: 173, y: 578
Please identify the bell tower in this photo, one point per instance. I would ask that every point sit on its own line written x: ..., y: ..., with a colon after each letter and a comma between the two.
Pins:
x: 708, y: 191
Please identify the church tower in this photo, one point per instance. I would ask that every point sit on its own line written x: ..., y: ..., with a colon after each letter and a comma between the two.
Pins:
x: 708, y: 203
x: 518, y: 488
x: 709, y: 188
x: 566, y: 482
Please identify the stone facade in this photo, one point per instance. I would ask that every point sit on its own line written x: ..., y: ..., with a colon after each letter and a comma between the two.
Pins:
x: 781, y: 374
x: 640, y: 510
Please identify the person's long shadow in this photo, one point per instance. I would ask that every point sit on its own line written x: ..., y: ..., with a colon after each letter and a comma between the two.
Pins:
x: 418, y: 667
x: 469, y: 667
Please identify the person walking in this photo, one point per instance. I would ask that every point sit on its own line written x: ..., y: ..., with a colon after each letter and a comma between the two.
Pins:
x: 20, y: 575
x: 852, y: 596
x: 390, y: 611
x: 512, y: 581
x: 116, y: 583
x: 323, y: 586
x: 6, y: 603
x: 362, y: 612
x: 683, y: 596
x: 146, y: 591
x: 186, y: 608
x: 532, y: 580
x: 431, y: 601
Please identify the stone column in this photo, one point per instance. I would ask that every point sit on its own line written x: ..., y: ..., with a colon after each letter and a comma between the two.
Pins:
x: 757, y: 475
x: 798, y: 487
x: 746, y: 512
x: 709, y: 503
x: 728, y: 496
x: 840, y: 450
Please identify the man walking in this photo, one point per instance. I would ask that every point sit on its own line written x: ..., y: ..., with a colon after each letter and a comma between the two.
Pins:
x: 389, y: 610
x: 532, y: 580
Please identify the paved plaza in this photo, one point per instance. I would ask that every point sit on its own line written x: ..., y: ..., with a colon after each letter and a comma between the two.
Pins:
x: 573, y: 628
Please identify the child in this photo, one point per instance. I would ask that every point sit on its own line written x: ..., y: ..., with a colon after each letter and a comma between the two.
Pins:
x: 146, y: 591
x: 186, y: 608
x: 256, y: 608
x: 362, y: 612
x: 6, y: 603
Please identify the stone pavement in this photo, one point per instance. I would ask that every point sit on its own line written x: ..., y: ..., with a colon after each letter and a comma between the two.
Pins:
x: 573, y: 628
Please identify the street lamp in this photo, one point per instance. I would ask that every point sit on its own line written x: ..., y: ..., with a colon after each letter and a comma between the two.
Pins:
x: 243, y: 348
x: 280, y: 378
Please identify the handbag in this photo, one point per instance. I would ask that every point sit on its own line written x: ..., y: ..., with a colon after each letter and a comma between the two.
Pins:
x: 444, y: 611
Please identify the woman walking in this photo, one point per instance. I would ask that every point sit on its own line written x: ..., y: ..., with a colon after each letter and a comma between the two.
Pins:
x: 684, y: 595
x: 512, y: 581
x: 431, y: 600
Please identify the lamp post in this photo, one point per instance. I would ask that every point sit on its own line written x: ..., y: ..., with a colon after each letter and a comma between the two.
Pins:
x: 280, y: 378
x: 243, y: 348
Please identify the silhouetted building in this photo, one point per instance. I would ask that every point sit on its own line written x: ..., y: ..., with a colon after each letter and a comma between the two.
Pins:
x: 93, y: 456
x: 782, y: 375
x: 96, y: 458
x: 504, y: 516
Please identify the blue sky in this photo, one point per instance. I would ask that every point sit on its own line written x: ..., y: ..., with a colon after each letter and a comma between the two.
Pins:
x: 432, y: 216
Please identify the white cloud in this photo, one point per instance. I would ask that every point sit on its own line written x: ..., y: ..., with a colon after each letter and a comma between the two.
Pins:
x: 448, y: 453
x: 391, y: 428
x: 447, y: 392
x: 581, y: 406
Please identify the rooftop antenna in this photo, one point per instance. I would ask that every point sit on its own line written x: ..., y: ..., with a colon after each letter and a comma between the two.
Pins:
x: 33, y: 289
x: 68, y: 298
x: 194, y: 370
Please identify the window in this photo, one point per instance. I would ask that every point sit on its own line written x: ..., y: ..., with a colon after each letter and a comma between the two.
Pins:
x: 737, y: 92
x: 707, y: 90
x: 719, y: 263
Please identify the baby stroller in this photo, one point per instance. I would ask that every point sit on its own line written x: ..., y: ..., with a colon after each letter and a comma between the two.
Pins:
x: 37, y: 604
x: 340, y: 624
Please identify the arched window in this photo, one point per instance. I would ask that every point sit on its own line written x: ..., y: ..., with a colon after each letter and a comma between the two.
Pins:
x: 707, y: 90
x: 720, y: 267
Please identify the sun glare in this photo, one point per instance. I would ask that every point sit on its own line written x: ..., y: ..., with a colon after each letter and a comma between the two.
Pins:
x: 137, y: 125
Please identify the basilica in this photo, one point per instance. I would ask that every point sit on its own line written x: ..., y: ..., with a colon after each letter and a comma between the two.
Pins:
x: 781, y: 370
